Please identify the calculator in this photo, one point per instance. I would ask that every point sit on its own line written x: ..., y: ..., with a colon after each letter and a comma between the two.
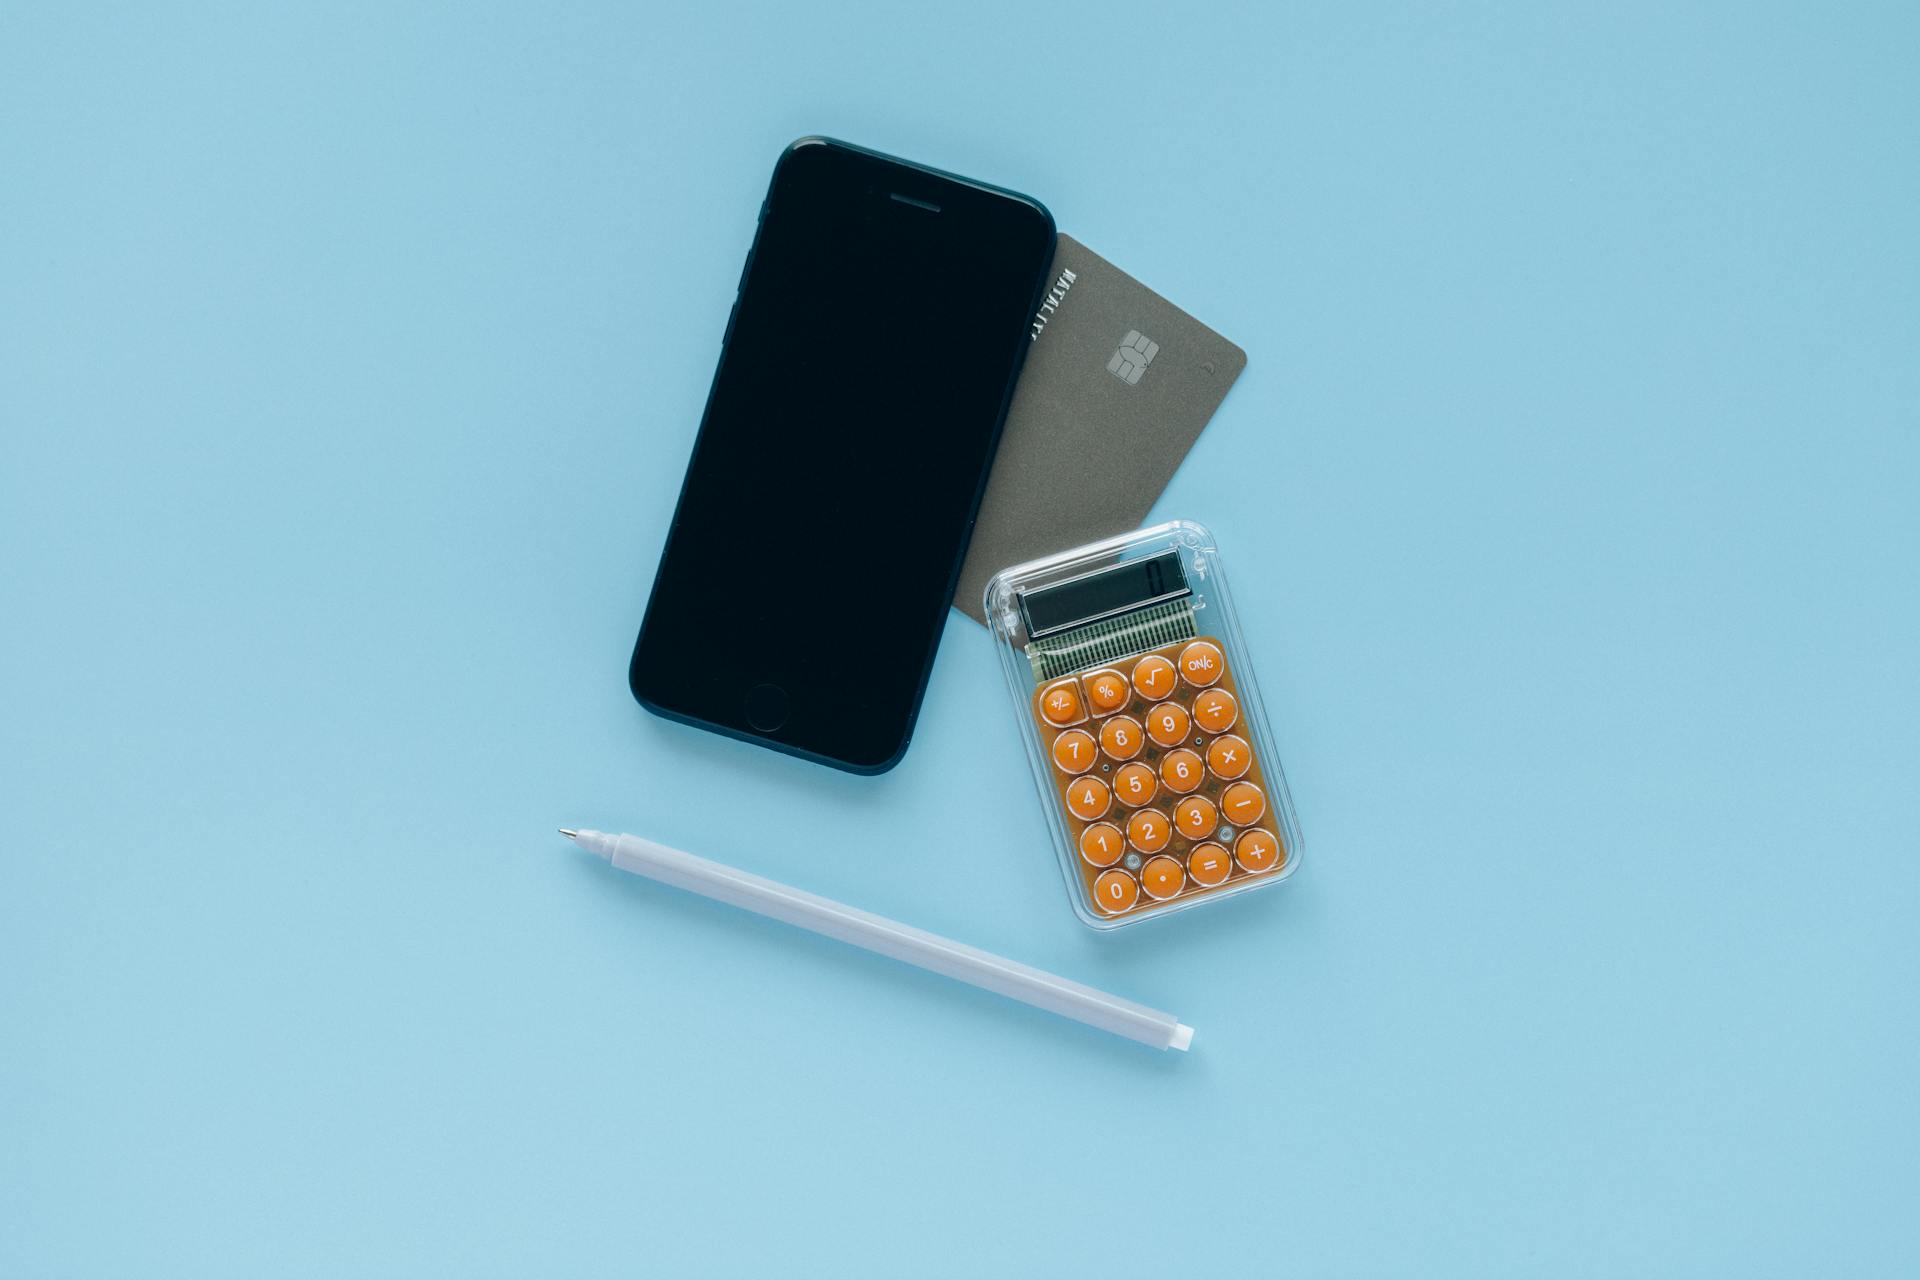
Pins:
x: 1140, y: 716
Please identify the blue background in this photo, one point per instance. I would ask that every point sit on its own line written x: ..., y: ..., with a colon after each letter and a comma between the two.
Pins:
x: 349, y: 359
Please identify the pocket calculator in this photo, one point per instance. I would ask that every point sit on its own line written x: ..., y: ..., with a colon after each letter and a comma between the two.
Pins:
x: 1143, y: 724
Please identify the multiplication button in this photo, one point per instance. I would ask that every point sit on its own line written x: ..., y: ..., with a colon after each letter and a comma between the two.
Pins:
x: 1229, y: 756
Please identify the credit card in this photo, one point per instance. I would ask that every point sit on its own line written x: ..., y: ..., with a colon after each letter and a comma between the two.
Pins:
x: 1118, y: 385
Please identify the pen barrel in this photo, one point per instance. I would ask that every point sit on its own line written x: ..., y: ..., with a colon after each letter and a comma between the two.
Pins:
x: 902, y: 942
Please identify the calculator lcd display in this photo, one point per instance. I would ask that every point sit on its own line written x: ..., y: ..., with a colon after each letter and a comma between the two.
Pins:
x: 1129, y: 585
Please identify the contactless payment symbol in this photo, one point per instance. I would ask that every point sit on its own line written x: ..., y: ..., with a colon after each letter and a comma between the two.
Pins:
x: 1136, y: 352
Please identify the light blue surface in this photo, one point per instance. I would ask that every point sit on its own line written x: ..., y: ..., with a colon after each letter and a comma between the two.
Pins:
x: 349, y: 358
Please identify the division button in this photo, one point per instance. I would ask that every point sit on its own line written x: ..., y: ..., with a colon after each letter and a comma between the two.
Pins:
x: 1215, y: 710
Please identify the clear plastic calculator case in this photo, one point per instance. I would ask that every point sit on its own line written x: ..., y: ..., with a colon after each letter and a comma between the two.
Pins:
x: 1137, y: 703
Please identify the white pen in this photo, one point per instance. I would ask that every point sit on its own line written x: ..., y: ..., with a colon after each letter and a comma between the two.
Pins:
x: 888, y: 937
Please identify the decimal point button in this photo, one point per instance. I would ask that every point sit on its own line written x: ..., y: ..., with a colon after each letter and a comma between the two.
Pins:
x: 1162, y: 877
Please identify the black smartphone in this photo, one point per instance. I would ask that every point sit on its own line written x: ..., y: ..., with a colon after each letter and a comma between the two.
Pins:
x: 880, y: 323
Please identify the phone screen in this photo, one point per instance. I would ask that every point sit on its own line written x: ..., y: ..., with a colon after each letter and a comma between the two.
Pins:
x: 880, y: 323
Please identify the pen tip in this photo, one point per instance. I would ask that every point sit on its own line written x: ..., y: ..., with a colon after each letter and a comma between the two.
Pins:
x: 569, y: 833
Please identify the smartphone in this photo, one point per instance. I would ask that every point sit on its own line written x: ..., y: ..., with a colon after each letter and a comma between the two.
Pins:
x: 880, y: 323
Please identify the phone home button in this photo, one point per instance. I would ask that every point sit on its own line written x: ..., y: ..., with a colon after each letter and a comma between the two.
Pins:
x: 767, y: 707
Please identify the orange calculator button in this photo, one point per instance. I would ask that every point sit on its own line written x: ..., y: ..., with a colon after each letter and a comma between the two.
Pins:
x: 1201, y: 663
x: 1102, y: 844
x: 1243, y: 804
x: 1215, y: 711
x: 1195, y: 817
x: 1167, y: 724
x: 1181, y: 770
x: 1088, y: 798
x: 1258, y: 851
x: 1229, y: 756
x: 1209, y: 864
x: 1162, y: 877
x: 1134, y: 784
x: 1122, y: 737
x: 1153, y: 677
x: 1115, y: 891
x: 1148, y: 830
x: 1074, y: 751
x: 1108, y: 692
x: 1060, y: 704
